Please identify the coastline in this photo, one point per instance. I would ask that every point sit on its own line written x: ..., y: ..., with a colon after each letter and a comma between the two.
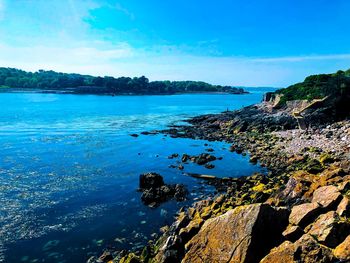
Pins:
x: 295, y: 179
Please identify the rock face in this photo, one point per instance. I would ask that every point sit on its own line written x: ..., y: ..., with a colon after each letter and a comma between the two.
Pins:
x: 244, y: 234
x: 305, y: 250
x: 327, y: 196
x: 329, y: 230
x: 154, y: 190
x: 304, y: 214
x: 343, y: 250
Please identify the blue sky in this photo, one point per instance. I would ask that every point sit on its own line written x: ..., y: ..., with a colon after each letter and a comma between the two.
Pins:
x: 234, y: 42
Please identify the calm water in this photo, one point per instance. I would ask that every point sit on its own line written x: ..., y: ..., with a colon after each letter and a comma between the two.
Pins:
x: 69, y: 170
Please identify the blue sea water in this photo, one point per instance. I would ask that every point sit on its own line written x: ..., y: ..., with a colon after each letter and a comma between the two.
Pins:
x: 69, y: 169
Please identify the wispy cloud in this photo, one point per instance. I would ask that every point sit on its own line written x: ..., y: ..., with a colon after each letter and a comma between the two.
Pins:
x: 304, y: 58
x: 119, y: 7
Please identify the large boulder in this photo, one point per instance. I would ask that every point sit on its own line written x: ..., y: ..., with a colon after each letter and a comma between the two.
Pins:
x: 329, y: 230
x: 302, y: 215
x: 305, y: 250
x: 244, y: 234
x: 151, y: 180
x: 343, y: 250
x: 327, y: 196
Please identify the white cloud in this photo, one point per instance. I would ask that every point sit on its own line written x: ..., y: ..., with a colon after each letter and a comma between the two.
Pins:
x: 101, y: 58
x: 304, y: 58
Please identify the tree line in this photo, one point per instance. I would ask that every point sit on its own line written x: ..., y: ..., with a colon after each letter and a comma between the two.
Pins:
x: 77, y: 83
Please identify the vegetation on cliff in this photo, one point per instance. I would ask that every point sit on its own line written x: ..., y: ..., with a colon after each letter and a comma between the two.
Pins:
x: 76, y: 83
x: 317, y: 87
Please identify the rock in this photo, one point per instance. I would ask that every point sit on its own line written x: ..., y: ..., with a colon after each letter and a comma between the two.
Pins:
x: 154, y: 191
x: 181, y: 167
x: 327, y: 196
x: 328, y: 230
x: 170, y: 251
x: 209, y: 166
x: 343, y: 208
x: 151, y: 180
x: 134, y: 135
x: 304, y: 214
x: 174, y: 155
x: 203, y: 158
x: 296, y: 186
x: 305, y: 250
x: 131, y: 258
x: 106, y: 257
x: 342, y: 251
x: 293, y: 233
x: 185, y: 158
x: 244, y: 234
x: 191, y: 229
x: 253, y: 159
x: 209, y: 150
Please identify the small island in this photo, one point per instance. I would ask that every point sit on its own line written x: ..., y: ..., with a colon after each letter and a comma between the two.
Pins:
x: 16, y: 80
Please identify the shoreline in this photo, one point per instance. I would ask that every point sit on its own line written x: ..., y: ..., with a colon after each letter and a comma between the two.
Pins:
x: 37, y: 91
x: 295, y: 176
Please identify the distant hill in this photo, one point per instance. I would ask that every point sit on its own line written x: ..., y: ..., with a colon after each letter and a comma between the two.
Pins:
x: 12, y: 79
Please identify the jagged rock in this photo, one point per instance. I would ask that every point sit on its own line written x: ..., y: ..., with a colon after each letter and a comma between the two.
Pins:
x: 327, y: 196
x: 170, y: 251
x: 304, y: 214
x: 296, y: 186
x: 343, y: 250
x: 244, y: 234
x: 293, y: 233
x: 151, y: 180
x: 154, y: 191
x: 305, y: 250
x: 343, y: 208
x: 328, y: 230
x: 106, y: 257
x: 191, y: 229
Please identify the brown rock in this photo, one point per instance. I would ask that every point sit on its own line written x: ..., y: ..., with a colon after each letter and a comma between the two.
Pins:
x: 328, y: 230
x: 305, y: 250
x: 284, y: 253
x: 344, y: 207
x: 296, y: 186
x: 293, y: 233
x: 343, y: 250
x: 327, y: 196
x: 304, y: 214
x: 244, y: 234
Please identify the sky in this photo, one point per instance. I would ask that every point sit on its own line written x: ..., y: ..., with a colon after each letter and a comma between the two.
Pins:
x: 227, y: 42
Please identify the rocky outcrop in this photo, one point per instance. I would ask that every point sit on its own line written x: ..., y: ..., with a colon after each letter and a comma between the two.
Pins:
x: 244, y: 234
x: 305, y: 250
x: 155, y: 191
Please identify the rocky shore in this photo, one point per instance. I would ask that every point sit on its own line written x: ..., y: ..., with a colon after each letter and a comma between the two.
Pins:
x: 298, y: 212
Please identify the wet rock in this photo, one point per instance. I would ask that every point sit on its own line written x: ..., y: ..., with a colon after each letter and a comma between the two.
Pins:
x: 342, y: 251
x: 174, y: 155
x: 327, y: 196
x: 209, y: 150
x: 203, y: 158
x: 209, y: 166
x: 306, y: 249
x: 185, y: 158
x: 134, y: 135
x: 329, y: 230
x: 155, y: 191
x: 151, y: 180
x: 106, y: 257
x: 244, y: 234
x: 302, y: 215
